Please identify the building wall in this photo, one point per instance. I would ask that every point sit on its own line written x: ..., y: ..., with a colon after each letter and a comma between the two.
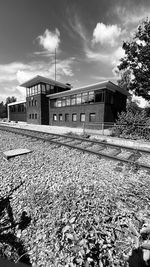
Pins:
x: 34, y: 109
x: 112, y: 109
x: 44, y: 110
x: 41, y: 109
x: 97, y: 108
x: 118, y: 105
x: 17, y: 116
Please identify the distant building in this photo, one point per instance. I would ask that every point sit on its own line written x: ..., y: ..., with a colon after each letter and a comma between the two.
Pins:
x: 50, y: 102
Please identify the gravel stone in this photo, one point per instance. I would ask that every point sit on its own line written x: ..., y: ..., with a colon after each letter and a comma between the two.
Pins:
x: 45, y: 171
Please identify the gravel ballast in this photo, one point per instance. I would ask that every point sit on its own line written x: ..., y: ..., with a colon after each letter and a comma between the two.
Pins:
x: 67, y: 188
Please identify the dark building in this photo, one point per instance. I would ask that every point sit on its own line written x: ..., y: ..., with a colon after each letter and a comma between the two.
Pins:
x: 50, y: 102
x: 17, y: 111
x: 92, y: 104
x: 37, y: 103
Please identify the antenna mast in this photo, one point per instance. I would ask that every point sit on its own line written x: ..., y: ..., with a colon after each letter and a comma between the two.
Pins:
x: 55, y: 64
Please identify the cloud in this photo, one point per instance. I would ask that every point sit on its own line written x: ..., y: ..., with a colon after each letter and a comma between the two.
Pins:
x: 77, y: 27
x: 106, y: 34
x: 132, y: 14
x: 16, y: 73
x: 110, y: 57
x: 50, y: 40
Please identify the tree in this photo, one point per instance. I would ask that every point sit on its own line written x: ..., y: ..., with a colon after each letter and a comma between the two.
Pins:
x: 8, y: 101
x: 137, y: 61
x: 3, y: 106
x: 2, y: 110
x: 125, y: 79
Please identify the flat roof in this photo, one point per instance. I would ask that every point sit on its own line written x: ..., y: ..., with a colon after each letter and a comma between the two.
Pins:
x: 100, y: 85
x: 38, y: 79
x: 17, y: 103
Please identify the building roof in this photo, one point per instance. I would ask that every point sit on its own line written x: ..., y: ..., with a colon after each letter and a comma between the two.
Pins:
x: 16, y: 103
x: 101, y: 85
x: 38, y: 79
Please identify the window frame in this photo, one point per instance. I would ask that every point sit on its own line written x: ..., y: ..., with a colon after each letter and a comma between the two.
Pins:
x: 90, y: 117
x: 74, y: 114
x: 67, y: 117
x: 82, y: 114
x: 60, y: 116
x: 54, y: 117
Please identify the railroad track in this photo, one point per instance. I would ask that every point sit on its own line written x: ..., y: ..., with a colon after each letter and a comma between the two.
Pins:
x: 101, y: 149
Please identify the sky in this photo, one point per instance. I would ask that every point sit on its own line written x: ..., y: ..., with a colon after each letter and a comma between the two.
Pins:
x: 86, y: 34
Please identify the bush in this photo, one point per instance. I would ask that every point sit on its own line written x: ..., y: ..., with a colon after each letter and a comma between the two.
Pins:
x: 132, y: 123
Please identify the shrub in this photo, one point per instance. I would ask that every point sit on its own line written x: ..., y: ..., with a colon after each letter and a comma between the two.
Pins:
x: 132, y: 123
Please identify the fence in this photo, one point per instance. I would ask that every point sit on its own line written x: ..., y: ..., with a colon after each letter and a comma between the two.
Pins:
x: 132, y: 131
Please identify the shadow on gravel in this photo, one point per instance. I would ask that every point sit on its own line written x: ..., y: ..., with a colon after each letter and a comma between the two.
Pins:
x: 11, y: 247
x: 136, y: 259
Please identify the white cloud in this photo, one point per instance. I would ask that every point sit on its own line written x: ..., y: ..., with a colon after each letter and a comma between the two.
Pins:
x: 17, y: 72
x: 77, y: 27
x: 108, y: 57
x: 63, y: 70
x: 141, y: 101
x: 131, y: 15
x: 106, y: 34
x: 50, y: 40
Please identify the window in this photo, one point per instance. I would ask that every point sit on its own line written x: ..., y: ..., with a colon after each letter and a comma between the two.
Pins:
x: 63, y: 101
x: 32, y: 116
x: 27, y: 90
x: 67, y: 117
x: 99, y: 96
x: 68, y: 101
x: 32, y: 102
x: 82, y: 117
x: 78, y: 99
x: 84, y: 98
x: 52, y: 89
x: 36, y: 116
x: 43, y: 89
x: 29, y: 116
x: 19, y: 108
x: 53, y: 103
x: 35, y: 90
x: 54, y: 117
x: 32, y: 90
x: 74, y: 117
x: 60, y: 117
x: 29, y: 103
x: 39, y: 88
x: 91, y: 97
x: 59, y: 104
x: 109, y: 97
x: 92, y: 117
x: 35, y: 102
x: 73, y: 99
x: 22, y: 108
x: 48, y: 88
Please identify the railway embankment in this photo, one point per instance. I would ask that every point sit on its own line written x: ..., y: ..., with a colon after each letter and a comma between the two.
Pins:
x: 83, y: 209
x: 137, y: 144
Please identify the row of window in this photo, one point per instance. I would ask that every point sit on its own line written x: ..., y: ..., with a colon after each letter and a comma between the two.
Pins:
x: 68, y: 117
x: 77, y: 99
x: 33, y: 116
x: 44, y: 88
x: 18, y: 108
x: 32, y: 103
x: 39, y: 88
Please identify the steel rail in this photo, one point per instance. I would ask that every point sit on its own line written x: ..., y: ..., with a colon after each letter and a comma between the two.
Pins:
x: 82, y: 139
x: 27, y: 132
